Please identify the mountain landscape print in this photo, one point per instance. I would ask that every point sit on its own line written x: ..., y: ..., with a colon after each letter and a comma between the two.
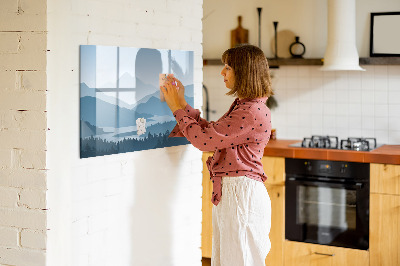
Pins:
x: 120, y: 106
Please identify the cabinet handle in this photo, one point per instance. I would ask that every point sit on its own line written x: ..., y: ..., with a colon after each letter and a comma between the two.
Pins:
x: 324, y: 254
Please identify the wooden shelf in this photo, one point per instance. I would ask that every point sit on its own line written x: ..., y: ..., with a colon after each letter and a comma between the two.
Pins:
x: 274, y: 63
x: 380, y: 61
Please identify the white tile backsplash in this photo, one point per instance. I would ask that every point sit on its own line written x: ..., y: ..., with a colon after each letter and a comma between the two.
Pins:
x: 394, y: 123
x: 394, y: 110
x: 382, y: 136
x: 329, y: 109
x: 292, y: 83
x: 394, y: 97
x: 380, y: 71
x: 394, y: 81
x: 380, y: 84
x: 381, y: 97
x: 394, y: 137
x: 342, y: 122
x: 368, y: 123
x: 343, y: 103
x: 355, y: 109
x: 367, y: 109
x: 367, y: 96
x: 304, y: 82
x: 342, y: 109
x: 381, y: 110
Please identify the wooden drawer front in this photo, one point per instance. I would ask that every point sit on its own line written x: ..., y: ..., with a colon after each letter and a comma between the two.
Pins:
x: 304, y: 254
x: 384, y: 230
x: 277, y: 233
x: 385, y: 178
x: 274, y: 168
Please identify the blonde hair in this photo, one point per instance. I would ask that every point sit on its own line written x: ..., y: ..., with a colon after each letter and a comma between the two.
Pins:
x: 250, y: 66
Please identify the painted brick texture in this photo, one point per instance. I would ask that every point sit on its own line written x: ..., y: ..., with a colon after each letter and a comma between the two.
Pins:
x: 140, y: 208
x: 23, y: 125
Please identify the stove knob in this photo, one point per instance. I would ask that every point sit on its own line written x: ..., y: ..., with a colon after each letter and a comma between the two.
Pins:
x: 308, y: 166
x: 343, y: 168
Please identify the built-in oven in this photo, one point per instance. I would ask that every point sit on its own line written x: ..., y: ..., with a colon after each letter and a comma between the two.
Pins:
x: 327, y: 202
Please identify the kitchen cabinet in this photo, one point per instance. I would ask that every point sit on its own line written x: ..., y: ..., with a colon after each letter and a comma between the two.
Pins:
x: 385, y: 178
x: 384, y: 221
x: 385, y: 230
x: 274, y: 168
x: 305, y: 254
x: 385, y: 215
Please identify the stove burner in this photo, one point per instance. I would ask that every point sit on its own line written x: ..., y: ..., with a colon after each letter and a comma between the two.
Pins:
x: 358, y: 144
x: 332, y: 142
x: 328, y: 142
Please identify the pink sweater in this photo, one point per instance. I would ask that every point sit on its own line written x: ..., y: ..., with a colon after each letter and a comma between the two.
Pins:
x: 238, y: 139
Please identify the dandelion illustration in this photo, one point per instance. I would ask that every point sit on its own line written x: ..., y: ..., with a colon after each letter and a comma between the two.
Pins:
x: 141, y: 126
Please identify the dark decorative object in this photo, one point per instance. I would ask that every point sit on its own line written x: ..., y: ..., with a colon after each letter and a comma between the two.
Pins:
x: 272, y: 103
x: 259, y: 9
x: 206, y: 96
x: 276, y: 38
x: 384, y: 41
x: 297, y: 49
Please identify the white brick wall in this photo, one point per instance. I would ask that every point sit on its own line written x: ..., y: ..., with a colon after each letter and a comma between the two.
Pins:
x: 23, y: 132
x: 33, y: 239
x: 140, y: 208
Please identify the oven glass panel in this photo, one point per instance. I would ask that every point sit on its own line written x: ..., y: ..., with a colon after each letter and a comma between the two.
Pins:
x: 326, y: 207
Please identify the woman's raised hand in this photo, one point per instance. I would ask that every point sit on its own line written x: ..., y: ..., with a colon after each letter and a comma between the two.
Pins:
x: 173, y: 91
x: 181, y: 92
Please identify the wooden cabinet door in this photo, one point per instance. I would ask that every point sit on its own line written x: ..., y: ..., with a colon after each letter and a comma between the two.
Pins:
x: 384, y: 237
x: 206, y: 225
x: 274, y: 168
x: 304, y: 254
x: 277, y: 233
x: 385, y: 178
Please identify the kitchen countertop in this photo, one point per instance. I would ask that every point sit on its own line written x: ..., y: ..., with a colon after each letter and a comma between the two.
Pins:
x: 389, y: 154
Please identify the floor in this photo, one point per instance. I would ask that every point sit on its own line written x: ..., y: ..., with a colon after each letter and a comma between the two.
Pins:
x: 206, y: 261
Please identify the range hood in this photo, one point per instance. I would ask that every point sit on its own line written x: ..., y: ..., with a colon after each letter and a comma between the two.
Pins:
x: 341, y: 51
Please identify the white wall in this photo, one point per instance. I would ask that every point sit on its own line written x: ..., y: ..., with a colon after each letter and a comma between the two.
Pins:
x: 311, y: 102
x: 140, y: 208
x: 23, y: 133
x: 306, y: 19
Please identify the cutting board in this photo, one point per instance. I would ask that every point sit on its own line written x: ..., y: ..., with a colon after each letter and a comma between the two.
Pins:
x: 239, y: 35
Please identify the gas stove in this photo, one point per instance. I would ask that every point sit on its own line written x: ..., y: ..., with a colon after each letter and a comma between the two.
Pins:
x: 332, y: 142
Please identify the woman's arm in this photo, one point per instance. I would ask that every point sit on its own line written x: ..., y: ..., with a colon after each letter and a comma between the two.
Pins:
x: 175, y: 98
x: 239, y: 127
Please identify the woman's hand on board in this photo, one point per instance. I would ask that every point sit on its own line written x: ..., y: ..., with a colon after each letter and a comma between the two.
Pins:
x: 173, y: 91
x: 181, y: 92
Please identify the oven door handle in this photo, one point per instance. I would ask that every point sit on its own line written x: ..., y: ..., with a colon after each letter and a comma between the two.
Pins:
x: 357, y: 185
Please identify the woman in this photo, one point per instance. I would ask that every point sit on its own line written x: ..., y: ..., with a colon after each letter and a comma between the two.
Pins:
x: 242, y: 208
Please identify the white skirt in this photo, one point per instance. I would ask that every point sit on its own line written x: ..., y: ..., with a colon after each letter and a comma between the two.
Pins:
x: 241, y: 223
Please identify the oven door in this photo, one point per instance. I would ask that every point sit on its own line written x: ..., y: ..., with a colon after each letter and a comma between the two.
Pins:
x: 327, y: 213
